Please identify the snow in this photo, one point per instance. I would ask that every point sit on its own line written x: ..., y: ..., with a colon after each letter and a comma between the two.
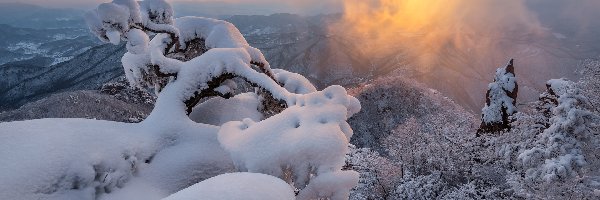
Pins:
x: 26, y: 47
x: 335, y: 186
x: 557, y: 154
x: 217, y: 34
x: 505, y: 79
x: 304, y: 145
x: 493, y: 112
x: 133, y: 8
x: 293, y: 82
x: 559, y: 86
x: 309, y: 138
x: 157, y: 11
x: 217, y: 110
x: 113, y: 17
x: 114, y: 37
x: 95, y: 24
x: 87, y: 159
x: 137, y: 59
x: 234, y: 186
x: 137, y: 41
x: 61, y: 60
x: 157, y: 46
x: 158, y: 15
x: 499, y: 99
x: 320, y: 139
x: 135, y: 67
x: 121, y: 15
x: 281, y: 140
x: 194, y: 74
x: 76, y: 154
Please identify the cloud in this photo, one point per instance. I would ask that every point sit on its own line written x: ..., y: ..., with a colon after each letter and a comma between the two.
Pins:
x: 430, y: 26
x: 308, y: 7
x: 455, y: 45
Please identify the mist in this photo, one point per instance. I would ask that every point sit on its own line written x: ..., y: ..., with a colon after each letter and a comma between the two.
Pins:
x: 436, y: 24
x: 451, y: 45
x: 215, y: 7
x: 455, y: 45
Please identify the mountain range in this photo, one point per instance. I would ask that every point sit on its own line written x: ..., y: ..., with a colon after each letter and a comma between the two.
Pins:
x: 306, y: 45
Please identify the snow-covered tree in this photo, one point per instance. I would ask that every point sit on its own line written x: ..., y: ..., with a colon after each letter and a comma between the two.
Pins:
x: 557, y: 153
x: 501, y: 99
x: 286, y: 130
x: 154, y: 63
x: 551, y: 150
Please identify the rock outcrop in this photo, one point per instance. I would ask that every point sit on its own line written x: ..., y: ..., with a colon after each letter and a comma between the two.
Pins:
x: 501, y: 99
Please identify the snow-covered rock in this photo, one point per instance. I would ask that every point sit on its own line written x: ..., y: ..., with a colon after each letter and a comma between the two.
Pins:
x: 501, y: 100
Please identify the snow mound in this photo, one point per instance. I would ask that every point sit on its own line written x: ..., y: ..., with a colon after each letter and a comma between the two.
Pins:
x: 69, y: 158
x: 308, y: 139
x: 217, y: 110
x: 294, y: 83
x: 88, y: 159
x: 334, y: 185
x: 234, y: 186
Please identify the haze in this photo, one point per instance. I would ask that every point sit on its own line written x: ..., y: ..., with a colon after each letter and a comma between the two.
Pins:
x: 451, y: 45
x: 232, y: 6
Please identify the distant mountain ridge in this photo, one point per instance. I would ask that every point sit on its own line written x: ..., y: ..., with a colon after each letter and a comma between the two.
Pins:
x: 305, y: 45
x: 91, y: 69
x: 33, y: 16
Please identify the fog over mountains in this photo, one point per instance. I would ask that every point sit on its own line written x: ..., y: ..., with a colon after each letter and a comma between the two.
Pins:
x: 41, y: 37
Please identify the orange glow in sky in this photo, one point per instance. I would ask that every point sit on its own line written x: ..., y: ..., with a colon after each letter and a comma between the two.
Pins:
x: 435, y: 24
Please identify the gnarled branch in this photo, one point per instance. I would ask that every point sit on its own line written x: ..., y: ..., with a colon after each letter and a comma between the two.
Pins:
x: 269, y: 105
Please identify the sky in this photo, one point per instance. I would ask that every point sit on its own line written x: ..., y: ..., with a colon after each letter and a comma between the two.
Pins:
x: 268, y: 6
x: 59, y: 3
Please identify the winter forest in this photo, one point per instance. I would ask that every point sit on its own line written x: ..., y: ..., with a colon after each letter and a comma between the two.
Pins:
x: 370, y: 100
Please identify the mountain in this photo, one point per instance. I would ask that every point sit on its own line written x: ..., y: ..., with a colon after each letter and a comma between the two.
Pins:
x: 80, y: 104
x: 61, y: 44
x: 224, y: 9
x: 89, y: 70
x: 393, y: 103
x: 288, y: 41
x: 32, y: 16
x: 303, y: 45
x: 307, y: 46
